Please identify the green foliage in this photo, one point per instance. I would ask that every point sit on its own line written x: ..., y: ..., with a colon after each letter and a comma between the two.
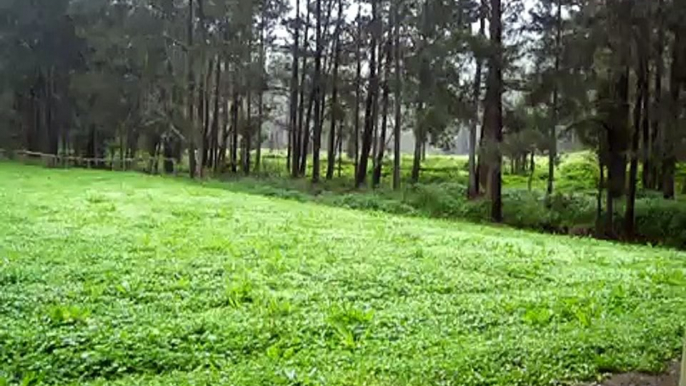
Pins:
x: 189, y: 284
x: 579, y: 172
x: 570, y: 210
x: 661, y: 221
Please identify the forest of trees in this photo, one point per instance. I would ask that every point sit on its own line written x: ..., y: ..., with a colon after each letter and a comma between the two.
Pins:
x: 214, y: 81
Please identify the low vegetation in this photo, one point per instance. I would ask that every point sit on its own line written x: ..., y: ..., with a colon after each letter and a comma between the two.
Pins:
x: 570, y: 210
x: 127, y: 279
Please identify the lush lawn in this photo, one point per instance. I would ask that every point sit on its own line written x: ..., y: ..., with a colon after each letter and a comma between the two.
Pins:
x: 126, y: 279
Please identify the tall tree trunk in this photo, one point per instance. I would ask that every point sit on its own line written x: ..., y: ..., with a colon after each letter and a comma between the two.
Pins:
x: 51, y: 113
x: 657, y: 138
x: 191, y: 93
x: 418, y: 141
x: 317, y: 141
x: 260, y: 96
x: 294, y: 143
x: 617, y: 133
x: 473, y: 189
x: 609, y: 211
x: 203, y: 89
x: 676, y: 81
x: 422, y: 94
x: 205, y: 95
x: 375, y: 108
x: 325, y: 68
x: 340, y: 152
x: 493, y: 113
x: 331, y: 159
x: 234, y: 128
x: 647, y: 144
x: 304, y: 127
x: 358, y: 86
x: 247, y: 133
x: 221, y: 158
x: 397, y: 95
x: 306, y: 133
x: 599, y: 197
x: 371, y: 97
x: 552, y: 150
x: 646, y: 153
x: 641, y: 89
x: 378, y: 167
x: 214, y: 142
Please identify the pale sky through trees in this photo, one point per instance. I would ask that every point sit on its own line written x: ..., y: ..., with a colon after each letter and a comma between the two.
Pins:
x: 351, y: 13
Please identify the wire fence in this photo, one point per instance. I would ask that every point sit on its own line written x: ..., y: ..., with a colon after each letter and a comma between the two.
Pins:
x: 149, y: 164
x: 271, y: 164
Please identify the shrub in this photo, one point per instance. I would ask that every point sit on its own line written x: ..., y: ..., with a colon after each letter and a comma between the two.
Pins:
x: 437, y: 200
x: 573, y: 210
x: 371, y: 201
x: 524, y: 209
x: 578, y: 173
x: 661, y: 221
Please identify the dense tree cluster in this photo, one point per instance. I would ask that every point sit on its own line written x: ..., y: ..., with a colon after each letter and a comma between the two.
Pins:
x: 212, y: 81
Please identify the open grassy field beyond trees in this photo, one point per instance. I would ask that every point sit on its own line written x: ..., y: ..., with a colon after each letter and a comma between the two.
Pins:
x: 127, y: 279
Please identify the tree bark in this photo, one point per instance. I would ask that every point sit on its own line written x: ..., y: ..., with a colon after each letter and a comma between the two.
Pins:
x: 599, y: 197
x: 378, y: 167
x: 397, y: 95
x: 331, y: 159
x: 247, y: 133
x: 418, y: 140
x: 646, y: 150
x: 493, y: 115
x: 316, y: 145
x: 215, y: 121
x: 234, y: 128
x: 203, y: 89
x: 306, y: 134
x: 647, y: 144
x: 420, y: 131
x: 358, y: 86
x: 205, y: 96
x: 191, y: 93
x: 303, y: 128
x: 618, y: 135
x: 552, y: 150
x: 224, y: 147
x: 676, y: 81
x: 657, y: 138
x: 641, y: 88
x: 260, y: 95
x: 294, y: 143
x: 473, y: 189
x: 371, y: 97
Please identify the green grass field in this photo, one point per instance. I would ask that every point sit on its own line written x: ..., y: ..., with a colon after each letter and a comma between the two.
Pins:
x: 125, y: 279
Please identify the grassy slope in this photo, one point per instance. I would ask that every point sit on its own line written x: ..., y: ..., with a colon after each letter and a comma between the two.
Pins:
x: 146, y: 280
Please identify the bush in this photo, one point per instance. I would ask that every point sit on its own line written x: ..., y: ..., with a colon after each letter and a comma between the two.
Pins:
x: 661, y: 221
x: 373, y: 202
x: 578, y: 173
x: 437, y: 200
x: 523, y: 209
x: 573, y: 210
